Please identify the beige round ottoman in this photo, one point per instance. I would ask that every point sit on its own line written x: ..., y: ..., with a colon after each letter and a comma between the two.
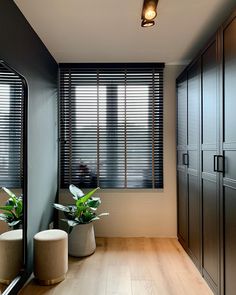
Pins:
x: 50, y: 256
x: 11, y: 255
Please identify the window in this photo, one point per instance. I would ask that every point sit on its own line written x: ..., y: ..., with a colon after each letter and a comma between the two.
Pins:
x: 111, y: 125
x: 11, y: 128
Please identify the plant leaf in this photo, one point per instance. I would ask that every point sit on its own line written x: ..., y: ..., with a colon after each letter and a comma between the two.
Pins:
x: 94, y: 203
x: 87, y: 216
x: 19, y: 207
x: 71, y: 223
x: 8, y: 214
x: 80, y: 207
x: 103, y: 214
x: 3, y: 217
x: 11, y: 202
x: 72, y: 212
x: 6, y: 208
x: 88, y: 195
x: 72, y: 208
x: 76, y: 192
x: 13, y: 223
x: 61, y: 207
x: 96, y: 198
x: 10, y: 193
x: 95, y: 218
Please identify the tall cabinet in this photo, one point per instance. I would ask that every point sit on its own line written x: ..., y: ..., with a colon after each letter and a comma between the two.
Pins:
x: 228, y: 150
x: 209, y: 156
x: 188, y: 165
x: 206, y: 159
x: 182, y: 160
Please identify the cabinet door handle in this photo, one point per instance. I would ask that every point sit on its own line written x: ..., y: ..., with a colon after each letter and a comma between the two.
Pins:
x: 185, y: 159
x: 218, y: 163
x: 214, y: 163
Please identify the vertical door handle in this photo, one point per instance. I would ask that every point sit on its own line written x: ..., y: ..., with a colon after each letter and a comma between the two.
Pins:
x: 218, y: 163
x: 214, y: 163
x: 185, y: 159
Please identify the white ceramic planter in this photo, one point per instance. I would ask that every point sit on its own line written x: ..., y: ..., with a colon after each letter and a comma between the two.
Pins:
x: 82, y: 240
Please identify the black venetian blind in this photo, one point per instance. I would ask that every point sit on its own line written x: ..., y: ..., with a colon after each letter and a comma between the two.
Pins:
x: 11, y: 128
x: 111, y: 125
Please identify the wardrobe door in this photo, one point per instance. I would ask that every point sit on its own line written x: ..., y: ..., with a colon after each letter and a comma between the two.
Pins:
x: 194, y: 225
x: 229, y: 150
x: 210, y: 178
x: 182, y: 161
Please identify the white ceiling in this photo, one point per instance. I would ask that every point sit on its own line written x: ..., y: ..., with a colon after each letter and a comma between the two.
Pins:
x: 110, y: 31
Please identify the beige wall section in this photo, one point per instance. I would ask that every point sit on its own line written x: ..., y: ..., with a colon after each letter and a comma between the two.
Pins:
x: 145, y: 213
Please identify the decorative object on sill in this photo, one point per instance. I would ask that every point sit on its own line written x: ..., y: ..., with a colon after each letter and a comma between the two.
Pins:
x: 79, y: 217
x: 12, y: 210
x: 149, y: 13
x: 50, y: 256
x: 11, y: 261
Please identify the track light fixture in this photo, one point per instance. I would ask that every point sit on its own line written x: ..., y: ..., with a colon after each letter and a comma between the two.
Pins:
x: 149, y: 13
x: 147, y: 23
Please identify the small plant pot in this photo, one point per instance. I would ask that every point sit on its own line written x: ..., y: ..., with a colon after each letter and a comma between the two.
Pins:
x: 82, y: 240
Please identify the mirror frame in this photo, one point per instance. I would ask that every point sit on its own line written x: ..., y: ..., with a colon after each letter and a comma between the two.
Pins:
x: 23, y: 275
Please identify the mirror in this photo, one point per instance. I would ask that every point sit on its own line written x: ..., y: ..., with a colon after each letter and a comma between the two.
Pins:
x: 13, y: 158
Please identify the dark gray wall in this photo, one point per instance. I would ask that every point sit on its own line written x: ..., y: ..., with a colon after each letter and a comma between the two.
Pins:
x: 22, y: 49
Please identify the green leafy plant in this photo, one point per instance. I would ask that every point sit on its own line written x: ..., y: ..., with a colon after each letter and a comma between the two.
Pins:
x: 84, y: 209
x: 12, y: 210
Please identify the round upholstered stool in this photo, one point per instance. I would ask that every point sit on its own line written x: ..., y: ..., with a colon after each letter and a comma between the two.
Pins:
x: 50, y: 256
x: 11, y: 255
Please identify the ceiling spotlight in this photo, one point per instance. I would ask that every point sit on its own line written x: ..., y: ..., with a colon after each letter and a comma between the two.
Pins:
x: 147, y: 23
x: 149, y: 13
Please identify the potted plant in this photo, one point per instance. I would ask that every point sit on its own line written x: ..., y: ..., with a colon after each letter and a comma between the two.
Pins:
x: 12, y: 210
x: 80, y: 217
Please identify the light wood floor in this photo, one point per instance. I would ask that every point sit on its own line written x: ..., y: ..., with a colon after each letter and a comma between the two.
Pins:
x: 129, y: 266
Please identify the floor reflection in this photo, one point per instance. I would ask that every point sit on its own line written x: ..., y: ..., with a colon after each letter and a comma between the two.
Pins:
x: 2, y: 287
x: 11, y: 238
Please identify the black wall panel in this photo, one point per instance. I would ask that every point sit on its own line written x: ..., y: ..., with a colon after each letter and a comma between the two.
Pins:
x: 22, y: 49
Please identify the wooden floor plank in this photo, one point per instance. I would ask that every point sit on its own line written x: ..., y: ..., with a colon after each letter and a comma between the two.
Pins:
x: 129, y: 266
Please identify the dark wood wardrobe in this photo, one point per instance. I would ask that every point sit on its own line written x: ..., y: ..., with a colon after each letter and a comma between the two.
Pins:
x: 206, y: 160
